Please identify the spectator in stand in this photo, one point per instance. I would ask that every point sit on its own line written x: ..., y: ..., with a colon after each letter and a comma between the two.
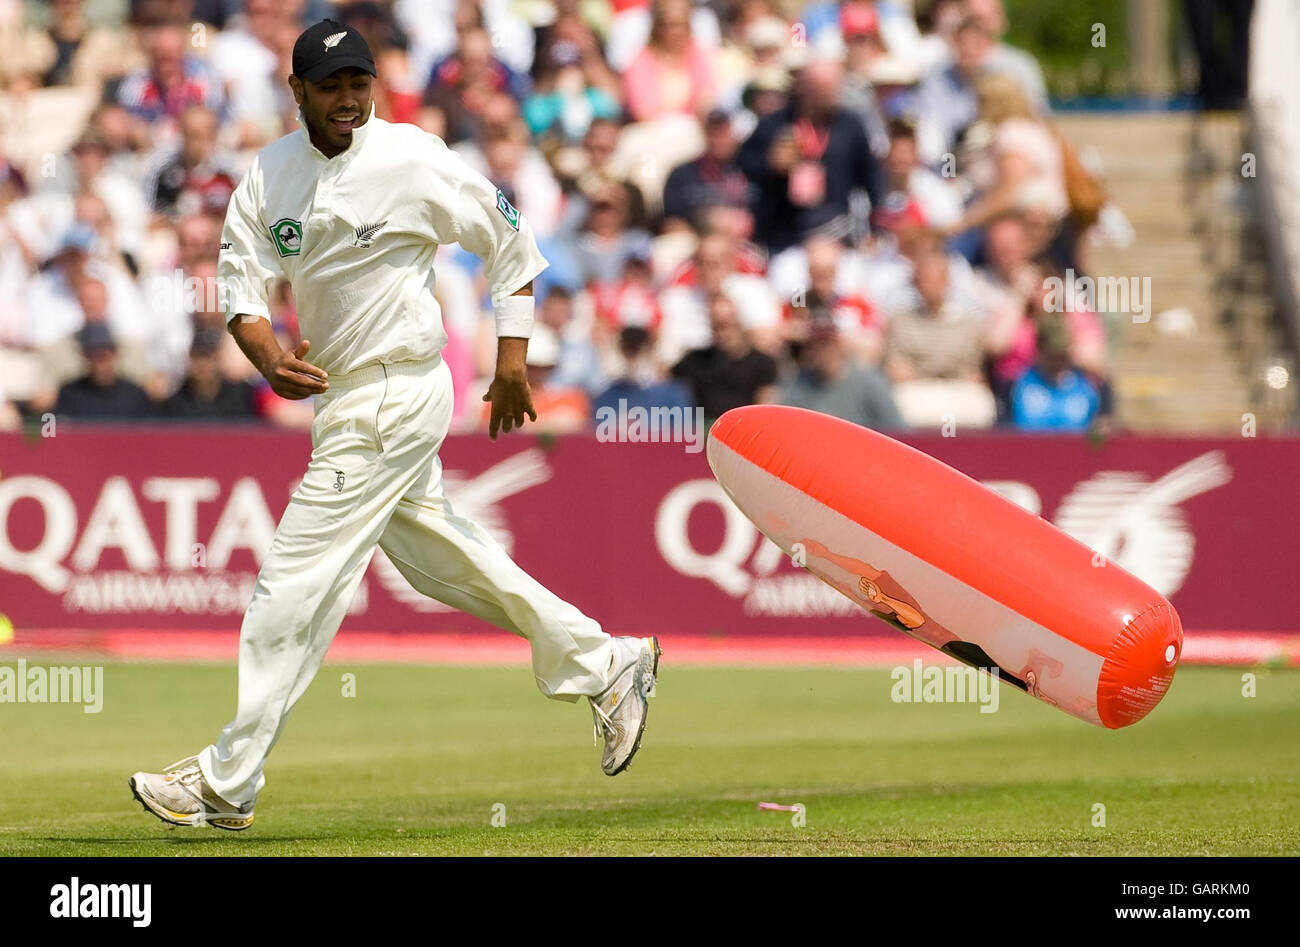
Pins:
x: 934, y: 353
x: 714, y: 179
x: 1007, y: 285
x: 753, y: 39
x: 736, y: 224
x: 765, y: 95
x: 805, y: 160
x: 1027, y: 160
x: 888, y: 276
x: 715, y: 271
x: 827, y: 298
x: 598, y: 147
x: 72, y: 52
x: 570, y: 27
x: 945, y: 100
x: 610, y: 237
x: 629, y: 302
x: 88, y: 171
x: 198, y: 239
x: 938, y: 201
x: 130, y: 147
x: 90, y: 210
x: 897, y: 25
x: 730, y: 372
x: 937, y: 20
x: 672, y: 74
x: 864, y: 50
x: 577, y: 363
x: 205, y: 394
x: 641, y: 383
x: 761, y: 244
x: 463, y: 83
x: 101, y: 395
x: 397, y: 92
x: 1008, y: 60
x: 61, y: 360
x: 788, y: 271
x: 192, y: 177
x: 566, y: 101
x: 1054, y: 395
x: 829, y: 380
x: 1087, y: 332
x: 158, y: 94
x: 434, y: 26
x: 53, y: 309
x: 246, y: 56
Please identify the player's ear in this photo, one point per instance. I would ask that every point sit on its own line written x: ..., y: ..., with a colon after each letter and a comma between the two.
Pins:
x: 299, y: 93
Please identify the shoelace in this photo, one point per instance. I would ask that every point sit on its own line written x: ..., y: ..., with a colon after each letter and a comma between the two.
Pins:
x: 603, y: 721
x: 186, y: 768
x: 599, y: 721
x: 186, y: 774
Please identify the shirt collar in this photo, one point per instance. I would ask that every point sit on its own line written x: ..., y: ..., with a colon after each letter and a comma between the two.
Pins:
x: 358, y: 137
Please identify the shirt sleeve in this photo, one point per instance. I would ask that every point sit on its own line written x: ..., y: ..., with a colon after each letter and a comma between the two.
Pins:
x: 247, y: 266
x: 471, y: 211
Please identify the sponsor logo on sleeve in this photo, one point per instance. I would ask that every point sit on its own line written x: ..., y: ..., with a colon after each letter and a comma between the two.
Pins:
x: 507, y: 210
x: 287, y: 234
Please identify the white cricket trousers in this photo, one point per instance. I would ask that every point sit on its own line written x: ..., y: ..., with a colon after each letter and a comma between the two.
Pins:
x: 375, y: 478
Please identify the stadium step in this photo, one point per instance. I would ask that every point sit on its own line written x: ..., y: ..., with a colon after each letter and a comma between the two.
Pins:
x: 1182, y: 372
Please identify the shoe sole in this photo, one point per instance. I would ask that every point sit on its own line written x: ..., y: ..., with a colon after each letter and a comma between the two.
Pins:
x: 179, y: 818
x: 654, y: 672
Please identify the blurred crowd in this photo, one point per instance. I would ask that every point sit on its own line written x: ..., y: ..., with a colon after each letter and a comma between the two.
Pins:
x: 853, y: 207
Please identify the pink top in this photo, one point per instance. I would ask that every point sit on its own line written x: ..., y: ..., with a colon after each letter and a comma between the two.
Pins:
x: 1087, y: 345
x: 654, y: 87
x: 459, y: 356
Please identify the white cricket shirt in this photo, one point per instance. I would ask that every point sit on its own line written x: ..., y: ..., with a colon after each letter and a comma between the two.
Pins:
x: 355, y: 236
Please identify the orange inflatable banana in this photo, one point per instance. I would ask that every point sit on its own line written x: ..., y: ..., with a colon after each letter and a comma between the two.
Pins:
x: 948, y: 561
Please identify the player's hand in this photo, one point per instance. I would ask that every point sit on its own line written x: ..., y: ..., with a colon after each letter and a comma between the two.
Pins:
x: 292, y: 378
x: 511, y: 400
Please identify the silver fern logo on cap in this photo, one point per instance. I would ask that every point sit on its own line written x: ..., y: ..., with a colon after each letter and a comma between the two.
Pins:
x: 334, y: 39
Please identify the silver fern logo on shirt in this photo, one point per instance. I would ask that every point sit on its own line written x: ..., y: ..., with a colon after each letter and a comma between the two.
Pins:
x: 366, y: 233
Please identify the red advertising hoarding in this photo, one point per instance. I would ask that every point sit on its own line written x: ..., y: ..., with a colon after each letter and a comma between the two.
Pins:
x: 123, y: 527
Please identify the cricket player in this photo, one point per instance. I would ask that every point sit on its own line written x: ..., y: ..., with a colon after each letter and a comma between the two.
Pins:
x: 351, y: 209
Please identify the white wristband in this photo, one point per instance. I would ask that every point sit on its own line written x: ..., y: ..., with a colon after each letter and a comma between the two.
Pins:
x: 515, y: 317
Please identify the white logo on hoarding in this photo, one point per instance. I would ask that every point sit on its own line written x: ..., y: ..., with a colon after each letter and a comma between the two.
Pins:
x: 1137, y: 524
x: 68, y: 558
x: 737, y: 566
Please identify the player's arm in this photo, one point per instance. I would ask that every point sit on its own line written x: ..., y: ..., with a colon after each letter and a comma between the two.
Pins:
x: 246, y: 269
x: 467, y: 208
x: 286, y: 372
x: 509, y: 393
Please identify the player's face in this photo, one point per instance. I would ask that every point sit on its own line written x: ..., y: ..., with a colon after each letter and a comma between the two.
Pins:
x: 334, y: 107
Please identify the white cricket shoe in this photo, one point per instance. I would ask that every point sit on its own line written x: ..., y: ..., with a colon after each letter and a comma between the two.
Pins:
x: 619, y: 712
x: 179, y: 795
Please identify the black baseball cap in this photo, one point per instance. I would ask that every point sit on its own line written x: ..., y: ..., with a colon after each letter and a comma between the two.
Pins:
x: 96, y: 337
x: 326, y: 48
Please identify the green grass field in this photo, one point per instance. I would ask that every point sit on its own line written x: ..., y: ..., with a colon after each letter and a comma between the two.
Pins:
x: 415, y: 763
